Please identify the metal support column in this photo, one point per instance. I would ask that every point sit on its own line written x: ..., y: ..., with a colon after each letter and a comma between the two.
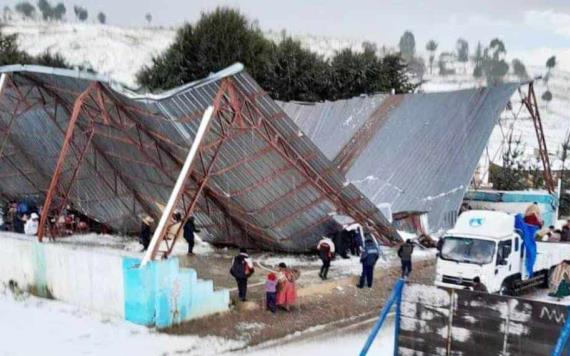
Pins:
x: 532, y: 107
x: 77, y: 107
x: 160, y: 231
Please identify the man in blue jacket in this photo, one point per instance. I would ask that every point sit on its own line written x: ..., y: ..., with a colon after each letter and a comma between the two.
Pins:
x: 368, y: 258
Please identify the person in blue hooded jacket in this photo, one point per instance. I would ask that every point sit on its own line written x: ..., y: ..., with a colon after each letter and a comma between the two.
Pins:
x: 368, y: 258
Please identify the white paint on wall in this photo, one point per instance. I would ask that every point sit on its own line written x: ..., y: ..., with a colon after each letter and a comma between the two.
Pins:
x: 89, y: 279
x: 85, y: 278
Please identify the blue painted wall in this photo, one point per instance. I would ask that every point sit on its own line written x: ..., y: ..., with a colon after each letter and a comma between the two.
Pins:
x: 162, y: 294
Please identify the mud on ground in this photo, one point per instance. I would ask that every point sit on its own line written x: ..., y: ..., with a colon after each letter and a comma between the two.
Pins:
x: 336, y: 300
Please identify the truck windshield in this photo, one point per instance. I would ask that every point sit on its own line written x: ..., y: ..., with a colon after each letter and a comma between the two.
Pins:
x: 463, y: 249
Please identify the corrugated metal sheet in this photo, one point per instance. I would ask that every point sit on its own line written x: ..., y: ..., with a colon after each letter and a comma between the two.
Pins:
x: 139, y: 145
x: 416, y: 152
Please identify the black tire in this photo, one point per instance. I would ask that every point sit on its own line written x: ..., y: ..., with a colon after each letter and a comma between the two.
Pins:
x: 546, y: 281
x: 506, y: 289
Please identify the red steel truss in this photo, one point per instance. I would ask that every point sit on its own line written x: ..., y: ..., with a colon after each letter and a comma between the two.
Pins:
x: 95, y: 112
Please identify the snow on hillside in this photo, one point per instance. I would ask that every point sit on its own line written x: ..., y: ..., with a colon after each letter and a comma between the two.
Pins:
x: 117, y: 52
x: 121, y: 52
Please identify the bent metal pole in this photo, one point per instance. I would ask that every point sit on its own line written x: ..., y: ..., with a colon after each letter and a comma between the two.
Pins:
x: 160, y: 231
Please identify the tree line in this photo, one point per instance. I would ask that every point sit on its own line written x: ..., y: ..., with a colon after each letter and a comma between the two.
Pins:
x: 48, y: 12
x: 285, y: 69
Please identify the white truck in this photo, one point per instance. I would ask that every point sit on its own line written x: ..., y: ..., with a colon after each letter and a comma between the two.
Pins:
x: 485, y: 244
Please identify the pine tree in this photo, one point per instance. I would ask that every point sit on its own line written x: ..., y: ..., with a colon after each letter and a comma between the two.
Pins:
x: 26, y: 9
x: 519, y: 69
x: 511, y: 175
x: 478, y: 60
x: 431, y: 46
x: 102, y: 18
x: 80, y: 13
x: 407, y: 46
x: 286, y: 70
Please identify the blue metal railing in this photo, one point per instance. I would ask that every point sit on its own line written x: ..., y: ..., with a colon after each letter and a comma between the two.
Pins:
x: 395, y: 298
x: 563, y: 338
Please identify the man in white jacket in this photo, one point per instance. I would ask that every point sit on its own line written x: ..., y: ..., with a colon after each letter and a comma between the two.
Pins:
x: 31, y: 227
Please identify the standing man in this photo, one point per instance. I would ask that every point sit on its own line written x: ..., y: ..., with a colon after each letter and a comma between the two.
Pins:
x: 565, y: 234
x: 368, y: 258
x: 405, y: 253
x: 189, y: 230
x: 326, y: 251
x: 145, y: 234
x: 242, y: 269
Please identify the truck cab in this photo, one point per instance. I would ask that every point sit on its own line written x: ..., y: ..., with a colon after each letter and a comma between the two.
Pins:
x: 482, y: 244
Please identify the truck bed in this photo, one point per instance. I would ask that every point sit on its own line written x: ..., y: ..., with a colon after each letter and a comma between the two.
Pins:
x: 550, y: 254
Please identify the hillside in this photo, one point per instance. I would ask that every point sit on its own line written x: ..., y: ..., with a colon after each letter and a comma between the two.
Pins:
x: 121, y: 52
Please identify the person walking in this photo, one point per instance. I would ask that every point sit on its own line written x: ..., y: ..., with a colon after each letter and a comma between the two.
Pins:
x: 31, y: 226
x: 368, y: 258
x: 286, y: 287
x: 271, y: 292
x: 145, y: 234
x: 241, y: 270
x: 405, y: 253
x: 325, y: 247
x: 189, y: 230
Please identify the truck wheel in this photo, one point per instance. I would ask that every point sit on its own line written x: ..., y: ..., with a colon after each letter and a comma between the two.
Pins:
x: 546, y: 281
x: 506, y: 289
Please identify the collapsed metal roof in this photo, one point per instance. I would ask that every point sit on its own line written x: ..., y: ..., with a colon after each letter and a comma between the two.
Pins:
x: 416, y: 152
x: 259, y: 181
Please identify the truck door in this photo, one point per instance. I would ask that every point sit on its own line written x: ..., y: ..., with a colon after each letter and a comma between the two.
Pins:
x: 503, y: 265
x: 516, y: 255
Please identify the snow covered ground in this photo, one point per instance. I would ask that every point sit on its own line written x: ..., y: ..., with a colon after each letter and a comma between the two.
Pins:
x: 35, y: 326
x: 335, y: 344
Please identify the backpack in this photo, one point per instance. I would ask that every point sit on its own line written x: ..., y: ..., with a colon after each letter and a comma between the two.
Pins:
x: 325, y: 251
x: 238, y: 267
x: 248, y: 270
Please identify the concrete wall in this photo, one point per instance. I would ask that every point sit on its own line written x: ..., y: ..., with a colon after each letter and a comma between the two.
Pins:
x: 436, y: 321
x: 161, y: 294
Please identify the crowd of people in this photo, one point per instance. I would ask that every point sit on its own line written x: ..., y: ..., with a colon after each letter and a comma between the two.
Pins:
x: 23, y: 217
x: 280, y: 285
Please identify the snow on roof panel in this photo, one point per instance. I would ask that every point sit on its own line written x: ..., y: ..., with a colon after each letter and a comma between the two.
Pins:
x: 269, y: 186
x: 415, y: 151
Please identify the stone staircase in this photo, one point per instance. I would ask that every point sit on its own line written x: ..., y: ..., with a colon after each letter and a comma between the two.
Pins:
x: 163, y: 294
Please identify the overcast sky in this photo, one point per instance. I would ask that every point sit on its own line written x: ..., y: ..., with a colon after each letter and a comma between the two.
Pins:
x: 522, y: 24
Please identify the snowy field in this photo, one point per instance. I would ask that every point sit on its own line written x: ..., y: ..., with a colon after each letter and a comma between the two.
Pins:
x: 36, y: 326
x: 340, y: 343
x: 61, y: 329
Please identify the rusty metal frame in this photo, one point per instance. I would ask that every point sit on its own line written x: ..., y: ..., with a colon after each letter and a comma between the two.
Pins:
x: 77, y: 107
x: 236, y: 114
x: 267, y: 131
x: 532, y: 106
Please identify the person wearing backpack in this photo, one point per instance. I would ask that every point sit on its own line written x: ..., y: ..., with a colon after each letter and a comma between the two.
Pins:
x: 241, y: 270
x: 368, y: 258
x: 326, y: 252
